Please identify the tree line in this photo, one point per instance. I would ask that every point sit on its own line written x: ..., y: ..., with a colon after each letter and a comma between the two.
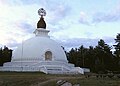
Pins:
x: 5, y: 55
x: 99, y: 59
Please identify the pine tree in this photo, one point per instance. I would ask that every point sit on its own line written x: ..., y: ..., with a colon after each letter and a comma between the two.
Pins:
x: 117, y: 46
x: 103, y: 56
x: 117, y: 53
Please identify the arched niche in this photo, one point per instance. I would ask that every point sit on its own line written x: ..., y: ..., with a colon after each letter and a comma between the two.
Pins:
x: 48, y: 55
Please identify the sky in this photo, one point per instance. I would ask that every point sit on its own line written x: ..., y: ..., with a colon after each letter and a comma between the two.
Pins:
x: 71, y: 23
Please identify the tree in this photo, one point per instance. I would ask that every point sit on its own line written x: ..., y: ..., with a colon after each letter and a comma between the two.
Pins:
x: 5, y: 55
x: 84, y: 56
x: 72, y: 55
x: 77, y: 56
x: 103, y: 56
x: 90, y: 56
x: 117, y: 46
x: 1, y: 59
x: 117, y: 52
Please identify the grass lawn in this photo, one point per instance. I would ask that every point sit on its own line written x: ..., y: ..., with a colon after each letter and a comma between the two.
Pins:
x: 40, y: 79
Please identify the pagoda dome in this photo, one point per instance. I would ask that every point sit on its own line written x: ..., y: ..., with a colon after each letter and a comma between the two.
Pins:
x: 39, y: 49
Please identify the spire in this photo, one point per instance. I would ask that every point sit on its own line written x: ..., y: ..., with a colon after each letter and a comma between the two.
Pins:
x: 41, y: 23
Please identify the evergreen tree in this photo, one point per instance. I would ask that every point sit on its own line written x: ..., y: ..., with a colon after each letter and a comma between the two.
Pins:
x: 5, y: 55
x: 117, y: 53
x: 91, y: 58
x: 103, y: 54
x: 1, y: 59
x: 72, y: 56
x: 82, y: 53
x: 117, y: 46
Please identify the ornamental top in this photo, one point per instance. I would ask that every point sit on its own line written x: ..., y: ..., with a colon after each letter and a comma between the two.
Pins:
x: 41, y: 12
x: 41, y: 23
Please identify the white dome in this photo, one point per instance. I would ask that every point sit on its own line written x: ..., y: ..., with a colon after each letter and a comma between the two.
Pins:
x: 34, y: 49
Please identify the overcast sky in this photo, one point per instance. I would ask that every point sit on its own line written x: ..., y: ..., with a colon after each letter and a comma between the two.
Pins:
x: 72, y: 22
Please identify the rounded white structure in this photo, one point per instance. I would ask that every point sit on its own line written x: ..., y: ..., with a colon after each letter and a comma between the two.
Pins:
x: 41, y: 53
x: 39, y: 48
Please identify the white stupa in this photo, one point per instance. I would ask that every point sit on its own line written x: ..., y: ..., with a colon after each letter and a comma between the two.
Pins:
x: 41, y: 53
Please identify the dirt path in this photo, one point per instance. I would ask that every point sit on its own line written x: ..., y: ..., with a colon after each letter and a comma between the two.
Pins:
x: 55, y: 79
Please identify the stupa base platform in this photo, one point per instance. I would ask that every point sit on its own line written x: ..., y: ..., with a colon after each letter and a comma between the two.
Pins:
x: 48, y: 67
